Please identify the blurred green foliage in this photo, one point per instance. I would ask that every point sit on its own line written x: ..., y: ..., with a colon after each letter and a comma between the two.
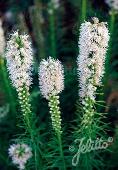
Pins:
x: 67, y: 20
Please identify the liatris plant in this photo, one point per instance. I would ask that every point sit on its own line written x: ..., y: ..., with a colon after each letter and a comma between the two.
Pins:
x: 51, y: 82
x: 20, y: 154
x: 19, y: 58
x: 19, y: 63
x: 93, y: 43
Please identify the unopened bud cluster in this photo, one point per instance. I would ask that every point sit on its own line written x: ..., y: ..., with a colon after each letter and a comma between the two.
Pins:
x: 89, y: 112
x: 23, y: 96
x: 55, y: 113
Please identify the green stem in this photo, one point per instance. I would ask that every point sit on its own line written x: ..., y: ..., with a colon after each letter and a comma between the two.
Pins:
x: 37, y: 28
x: 56, y: 123
x: 83, y: 11
x: 90, y: 128
x: 112, y: 21
x: 30, y: 125
x: 52, y: 34
x: 61, y: 151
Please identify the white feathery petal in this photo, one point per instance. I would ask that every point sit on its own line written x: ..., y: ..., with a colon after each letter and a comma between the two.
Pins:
x: 20, y: 154
x: 19, y: 58
x: 93, y: 43
x: 51, y: 77
x: 2, y: 39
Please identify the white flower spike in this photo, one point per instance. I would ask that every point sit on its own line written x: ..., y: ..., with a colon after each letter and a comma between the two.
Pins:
x: 93, y: 43
x: 112, y: 4
x: 51, y: 77
x: 19, y: 58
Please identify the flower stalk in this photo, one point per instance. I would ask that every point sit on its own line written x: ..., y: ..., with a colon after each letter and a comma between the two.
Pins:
x: 52, y: 34
x: 51, y: 84
x: 93, y: 43
x: 56, y: 122
x: 53, y: 6
x: 19, y: 58
x: 113, y: 5
x: 112, y: 20
x: 83, y: 11
x: 37, y: 23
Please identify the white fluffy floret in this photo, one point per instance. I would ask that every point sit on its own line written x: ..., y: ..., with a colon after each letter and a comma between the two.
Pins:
x: 93, y: 43
x: 20, y: 154
x: 19, y: 58
x: 112, y: 4
x: 51, y: 77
